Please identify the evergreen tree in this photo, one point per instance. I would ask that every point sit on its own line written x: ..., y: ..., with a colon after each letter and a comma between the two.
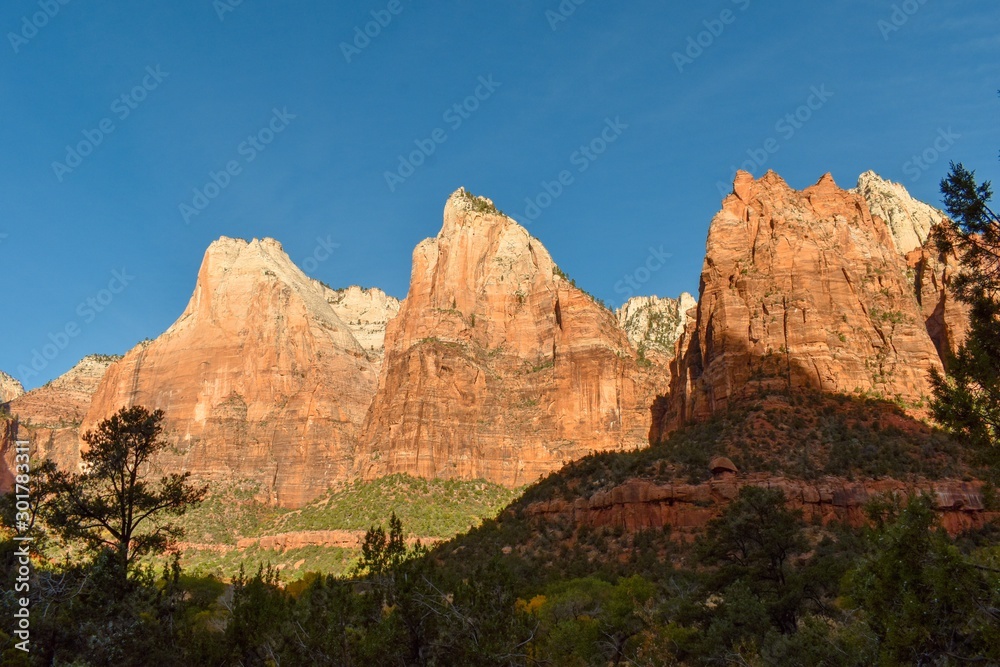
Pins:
x: 111, y: 505
x: 967, y: 401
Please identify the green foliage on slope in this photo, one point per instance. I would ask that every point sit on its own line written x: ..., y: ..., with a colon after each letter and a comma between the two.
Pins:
x: 428, y: 508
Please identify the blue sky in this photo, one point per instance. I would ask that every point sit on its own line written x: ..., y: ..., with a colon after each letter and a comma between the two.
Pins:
x: 308, y: 129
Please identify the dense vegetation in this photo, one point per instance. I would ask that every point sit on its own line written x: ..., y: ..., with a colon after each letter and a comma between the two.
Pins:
x: 431, y: 510
x: 798, y: 435
x: 968, y: 400
x: 759, y: 586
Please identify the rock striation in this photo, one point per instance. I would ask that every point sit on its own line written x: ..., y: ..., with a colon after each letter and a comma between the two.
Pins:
x: 641, y: 504
x: 497, y: 367
x: 10, y: 388
x: 259, y: 377
x: 802, y: 289
x: 930, y: 270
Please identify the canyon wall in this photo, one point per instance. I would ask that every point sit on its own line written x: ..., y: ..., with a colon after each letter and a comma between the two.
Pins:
x: 497, y: 367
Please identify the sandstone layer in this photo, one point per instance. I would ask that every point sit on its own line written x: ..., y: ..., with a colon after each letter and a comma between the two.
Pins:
x: 496, y: 366
x: 800, y: 289
x: 259, y: 377
x: 687, y: 508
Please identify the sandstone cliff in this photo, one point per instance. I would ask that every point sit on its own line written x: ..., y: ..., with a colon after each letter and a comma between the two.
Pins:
x: 366, y: 312
x: 259, y: 377
x: 802, y: 289
x: 10, y: 388
x: 653, y: 324
x: 8, y: 436
x: 496, y: 366
x: 50, y: 416
x: 929, y: 269
x: 686, y: 508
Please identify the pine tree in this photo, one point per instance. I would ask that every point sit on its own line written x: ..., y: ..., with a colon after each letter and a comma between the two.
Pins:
x: 967, y: 401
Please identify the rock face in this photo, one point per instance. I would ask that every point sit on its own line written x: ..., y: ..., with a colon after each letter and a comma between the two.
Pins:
x: 8, y: 437
x: 496, y: 366
x: 50, y: 416
x: 366, y: 312
x: 910, y: 221
x: 687, y: 508
x: 259, y: 377
x: 653, y: 324
x: 10, y: 388
x: 800, y: 289
x: 930, y: 270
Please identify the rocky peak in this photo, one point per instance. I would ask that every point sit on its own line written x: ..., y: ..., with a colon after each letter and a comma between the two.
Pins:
x: 496, y: 366
x: 235, y: 274
x: 366, y: 312
x: 654, y: 324
x: 909, y: 220
x: 479, y: 252
x: 10, y: 388
x: 800, y: 289
x: 258, y: 378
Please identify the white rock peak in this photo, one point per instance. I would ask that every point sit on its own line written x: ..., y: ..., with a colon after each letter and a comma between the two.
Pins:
x: 10, y: 388
x: 909, y: 220
x: 655, y: 322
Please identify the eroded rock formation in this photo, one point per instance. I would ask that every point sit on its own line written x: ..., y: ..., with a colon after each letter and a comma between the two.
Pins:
x: 366, y: 312
x: 496, y: 366
x: 930, y: 270
x: 641, y: 504
x: 51, y: 415
x: 653, y: 324
x: 259, y: 377
x: 10, y: 388
x: 801, y: 289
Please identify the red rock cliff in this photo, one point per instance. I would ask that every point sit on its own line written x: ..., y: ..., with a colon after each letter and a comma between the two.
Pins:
x: 496, y: 366
x: 800, y: 289
x: 50, y: 416
x: 259, y: 378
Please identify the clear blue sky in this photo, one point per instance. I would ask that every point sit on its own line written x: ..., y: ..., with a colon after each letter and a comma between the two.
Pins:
x: 554, y: 86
